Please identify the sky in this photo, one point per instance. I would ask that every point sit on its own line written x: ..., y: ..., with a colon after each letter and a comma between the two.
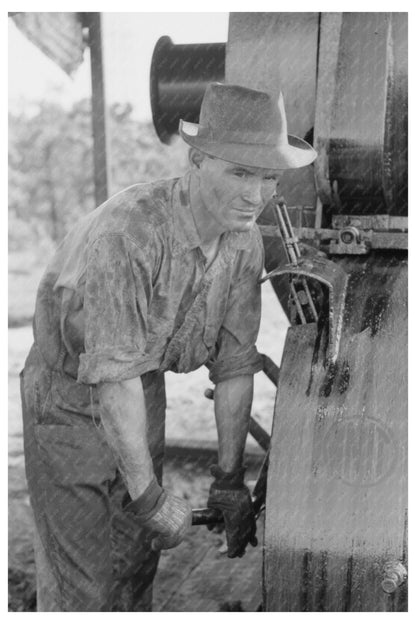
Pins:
x: 129, y: 40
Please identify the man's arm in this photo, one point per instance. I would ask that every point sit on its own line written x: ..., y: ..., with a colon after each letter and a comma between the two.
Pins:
x: 123, y: 414
x: 233, y: 398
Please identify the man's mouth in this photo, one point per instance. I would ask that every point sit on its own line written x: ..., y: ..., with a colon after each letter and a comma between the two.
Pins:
x: 246, y: 213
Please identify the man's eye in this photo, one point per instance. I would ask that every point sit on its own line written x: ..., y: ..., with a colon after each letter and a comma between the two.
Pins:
x: 271, y: 179
x: 240, y: 174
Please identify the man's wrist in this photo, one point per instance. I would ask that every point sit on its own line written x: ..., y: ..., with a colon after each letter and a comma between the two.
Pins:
x: 138, y: 478
x: 148, y: 503
x: 232, y: 480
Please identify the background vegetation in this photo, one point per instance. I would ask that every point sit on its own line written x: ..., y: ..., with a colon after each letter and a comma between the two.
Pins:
x: 51, y: 170
x: 51, y: 181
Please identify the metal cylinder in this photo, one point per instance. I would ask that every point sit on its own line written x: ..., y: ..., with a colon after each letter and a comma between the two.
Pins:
x: 360, y: 128
x: 179, y: 75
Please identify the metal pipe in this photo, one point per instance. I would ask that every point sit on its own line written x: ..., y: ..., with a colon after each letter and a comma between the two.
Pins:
x: 309, y: 297
x: 270, y: 369
x: 99, y: 113
x: 208, y: 515
x: 259, y: 434
x: 292, y: 235
x: 286, y: 236
x: 297, y: 303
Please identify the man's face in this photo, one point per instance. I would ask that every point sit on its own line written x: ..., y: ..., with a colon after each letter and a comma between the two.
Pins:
x: 235, y: 195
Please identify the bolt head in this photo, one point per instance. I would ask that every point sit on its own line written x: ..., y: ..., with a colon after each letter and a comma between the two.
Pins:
x: 390, y: 584
x: 347, y: 237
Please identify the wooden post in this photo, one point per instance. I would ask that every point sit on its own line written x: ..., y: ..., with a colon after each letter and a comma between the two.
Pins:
x: 99, y: 113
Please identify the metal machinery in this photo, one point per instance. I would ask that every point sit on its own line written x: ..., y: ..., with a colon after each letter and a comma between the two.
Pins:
x: 336, y: 507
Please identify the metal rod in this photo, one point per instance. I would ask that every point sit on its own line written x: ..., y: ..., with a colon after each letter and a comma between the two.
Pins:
x: 259, y: 434
x: 293, y: 252
x: 310, y: 300
x: 285, y: 235
x: 297, y: 303
x: 99, y: 113
x: 290, y: 229
x: 283, y: 216
x: 207, y: 515
x: 270, y: 369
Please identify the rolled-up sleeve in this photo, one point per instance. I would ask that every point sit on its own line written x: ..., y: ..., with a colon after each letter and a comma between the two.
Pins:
x: 236, y: 353
x: 118, y: 289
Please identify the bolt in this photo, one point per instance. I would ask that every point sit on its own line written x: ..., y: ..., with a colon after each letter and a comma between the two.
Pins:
x: 349, y: 234
x: 347, y: 237
x: 395, y: 574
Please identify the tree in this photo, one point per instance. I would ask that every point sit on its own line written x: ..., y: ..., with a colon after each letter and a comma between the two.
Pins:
x: 51, y: 168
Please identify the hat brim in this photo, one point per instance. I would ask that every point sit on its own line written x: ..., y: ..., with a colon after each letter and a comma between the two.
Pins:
x: 293, y: 155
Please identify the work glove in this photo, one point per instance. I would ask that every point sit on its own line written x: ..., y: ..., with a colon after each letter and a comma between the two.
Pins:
x: 165, y: 516
x: 229, y: 495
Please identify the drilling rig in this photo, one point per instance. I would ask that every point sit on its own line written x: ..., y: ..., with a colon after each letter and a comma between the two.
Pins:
x: 336, y: 503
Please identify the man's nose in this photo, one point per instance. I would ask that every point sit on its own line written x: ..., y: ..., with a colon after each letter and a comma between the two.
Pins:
x: 252, y: 192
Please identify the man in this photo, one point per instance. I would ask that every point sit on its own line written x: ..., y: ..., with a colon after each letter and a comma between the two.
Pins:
x: 163, y: 276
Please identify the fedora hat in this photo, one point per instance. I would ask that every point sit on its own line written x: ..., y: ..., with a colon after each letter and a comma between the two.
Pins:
x: 246, y: 127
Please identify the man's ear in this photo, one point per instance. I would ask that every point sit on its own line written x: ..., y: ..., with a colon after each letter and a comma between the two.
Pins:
x: 195, y: 157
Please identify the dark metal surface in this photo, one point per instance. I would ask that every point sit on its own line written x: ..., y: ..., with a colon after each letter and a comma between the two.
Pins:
x: 206, y: 516
x: 361, y: 113
x: 178, y: 78
x: 336, y: 511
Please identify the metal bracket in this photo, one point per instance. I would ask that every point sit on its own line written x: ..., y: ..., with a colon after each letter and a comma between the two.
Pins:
x: 335, y: 279
x: 359, y: 234
x: 349, y: 241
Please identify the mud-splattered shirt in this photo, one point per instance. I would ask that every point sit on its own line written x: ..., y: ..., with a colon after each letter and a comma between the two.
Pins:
x: 128, y: 292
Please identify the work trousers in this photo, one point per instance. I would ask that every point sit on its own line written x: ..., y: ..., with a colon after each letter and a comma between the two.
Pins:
x: 89, y: 554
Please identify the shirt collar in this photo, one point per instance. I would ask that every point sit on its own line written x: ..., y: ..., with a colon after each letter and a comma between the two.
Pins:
x: 186, y: 235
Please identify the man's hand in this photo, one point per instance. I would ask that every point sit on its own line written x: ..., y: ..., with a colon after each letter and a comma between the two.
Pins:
x: 170, y: 523
x: 229, y: 494
x: 164, y: 515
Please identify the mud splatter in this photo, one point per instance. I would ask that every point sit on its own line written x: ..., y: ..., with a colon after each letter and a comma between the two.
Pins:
x: 374, y: 312
x: 328, y: 383
x: 344, y: 378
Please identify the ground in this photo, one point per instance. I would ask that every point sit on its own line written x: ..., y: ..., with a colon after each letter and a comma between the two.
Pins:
x: 189, y: 418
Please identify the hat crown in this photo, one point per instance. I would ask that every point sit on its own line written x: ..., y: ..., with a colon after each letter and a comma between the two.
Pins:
x: 242, y: 115
x: 246, y: 127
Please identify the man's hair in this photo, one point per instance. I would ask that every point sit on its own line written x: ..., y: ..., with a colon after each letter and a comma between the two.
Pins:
x: 198, y: 151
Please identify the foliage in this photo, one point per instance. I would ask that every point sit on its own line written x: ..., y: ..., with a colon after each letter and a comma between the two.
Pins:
x: 51, y: 168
